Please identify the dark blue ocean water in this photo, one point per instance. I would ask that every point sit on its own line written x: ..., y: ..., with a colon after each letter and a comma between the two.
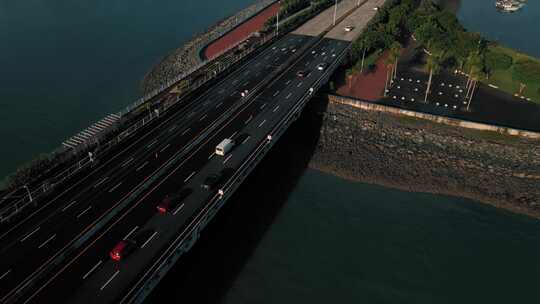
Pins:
x: 65, y: 64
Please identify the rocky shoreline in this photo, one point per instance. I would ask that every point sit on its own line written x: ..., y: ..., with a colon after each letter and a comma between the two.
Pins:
x: 422, y: 156
x: 188, y: 56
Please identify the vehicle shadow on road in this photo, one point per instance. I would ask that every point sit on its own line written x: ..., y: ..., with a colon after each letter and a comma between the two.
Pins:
x: 205, y: 274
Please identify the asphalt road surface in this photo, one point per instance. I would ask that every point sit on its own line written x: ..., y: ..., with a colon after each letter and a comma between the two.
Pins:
x: 32, y: 245
x: 91, y: 276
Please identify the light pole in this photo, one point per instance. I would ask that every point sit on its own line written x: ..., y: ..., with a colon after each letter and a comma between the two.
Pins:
x: 277, y: 24
x: 29, y: 194
x: 335, y: 13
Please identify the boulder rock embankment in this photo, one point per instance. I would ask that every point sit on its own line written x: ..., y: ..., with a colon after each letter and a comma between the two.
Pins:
x: 422, y: 156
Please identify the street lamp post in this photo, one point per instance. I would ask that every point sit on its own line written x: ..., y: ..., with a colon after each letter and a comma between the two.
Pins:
x: 335, y: 13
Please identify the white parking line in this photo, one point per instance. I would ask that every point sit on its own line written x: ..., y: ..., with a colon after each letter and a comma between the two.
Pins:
x: 264, y: 105
x: 191, y: 114
x: 211, y: 155
x: 109, y: 280
x: 227, y: 159
x: 142, y: 166
x: 191, y: 175
x: 219, y: 104
x: 30, y: 234
x: 5, y: 274
x: 275, y: 109
x: 48, y: 240
x: 276, y: 93
x: 127, y: 162
x: 299, y: 84
x: 185, y: 131
x: 173, y: 128
x: 236, y: 132
x: 203, y: 117
x: 178, y: 209
x: 101, y: 181
x: 70, y: 204
x: 92, y: 269
x: 249, y: 119
x: 164, y: 148
x: 131, y: 232
x: 85, y: 210
x: 114, y: 188
x: 151, y: 144
x: 232, y: 94
x: 288, y: 81
x: 245, y: 84
x: 235, y: 81
x: 149, y: 239
x: 289, y: 95
x: 262, y: 123
x: 245, y: 140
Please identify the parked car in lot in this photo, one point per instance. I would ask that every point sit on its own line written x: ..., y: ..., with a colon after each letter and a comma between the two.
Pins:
x: 348, y: 28
x: 122, y: 249
x: 301, y: 73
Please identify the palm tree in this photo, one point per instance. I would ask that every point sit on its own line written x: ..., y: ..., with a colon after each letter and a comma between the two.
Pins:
x: 433, y: 65
x: 394, y: 54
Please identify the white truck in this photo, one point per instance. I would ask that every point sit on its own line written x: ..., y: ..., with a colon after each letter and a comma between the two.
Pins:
x: 224, y: 146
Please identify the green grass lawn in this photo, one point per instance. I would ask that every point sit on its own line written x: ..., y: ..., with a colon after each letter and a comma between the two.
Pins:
x: 503, y: 78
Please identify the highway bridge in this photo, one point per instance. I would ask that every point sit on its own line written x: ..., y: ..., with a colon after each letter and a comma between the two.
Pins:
x: 61, y: 251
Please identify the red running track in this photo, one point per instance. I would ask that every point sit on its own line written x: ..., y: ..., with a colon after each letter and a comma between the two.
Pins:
x: 241, y: 32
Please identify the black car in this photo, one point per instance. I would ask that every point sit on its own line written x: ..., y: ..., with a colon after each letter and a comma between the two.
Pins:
x: 211, y: 181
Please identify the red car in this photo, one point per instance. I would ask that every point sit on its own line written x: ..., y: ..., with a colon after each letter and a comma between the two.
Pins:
x: 170, y: 202
x: 165, y: 205
x: 122, y: 249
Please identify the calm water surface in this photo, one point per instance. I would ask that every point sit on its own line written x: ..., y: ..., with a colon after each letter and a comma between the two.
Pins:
x: 519, y: 30
x: 65, y: 64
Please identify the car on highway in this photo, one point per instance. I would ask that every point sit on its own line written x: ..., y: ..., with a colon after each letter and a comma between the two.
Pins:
x: 171, y: 202
x: 301, y: 73
x: 321, y: 66
x: 122, y: 249
x: 224, y: 146
x: 212, y: 180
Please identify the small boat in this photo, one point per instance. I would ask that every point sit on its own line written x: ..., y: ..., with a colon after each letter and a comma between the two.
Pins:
x: 509, y: 6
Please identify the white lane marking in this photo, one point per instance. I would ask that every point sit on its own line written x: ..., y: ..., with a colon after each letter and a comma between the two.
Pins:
x: 235, y: 81
x: 151, y: 144
x: 101, y: 181
x: 232, y: 94
x: 262, y: 123
x: 227, y: 159
x: 249, y: 119
x: 131, y: 232
x: 92, y: 270
x: 5, y: 274
x: 245, y: 140
x: 309, y: 75
x: 276, y: 93
x: 211, y: 155
x: 219, y: 104
x: 164, y: 148
x: 30, y: 234
x: 85, y: 210
x: 245, y: 84
x: 190, y: 176
x: 288, y: 81
x: 127, y: 162
x: 203, y: 117
x: 109, y: 280
x: 48, y: 240
x: 185, y: 131
x: 149, y: 239
x: 173, y: 128
x: 264, y: 105
x: 70, y: 204
x: 289, y: 95
x: 233, y: 134
x: 299, y: 84
x: 178, y: 209
x: 142, y: 166
x: 115, y: 187
x: 275, y: 109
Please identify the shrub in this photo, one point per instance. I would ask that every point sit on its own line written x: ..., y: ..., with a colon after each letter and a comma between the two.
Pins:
x: 497, y: 61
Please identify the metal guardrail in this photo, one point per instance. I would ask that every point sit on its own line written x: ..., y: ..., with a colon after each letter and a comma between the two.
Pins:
x: 32, y: 195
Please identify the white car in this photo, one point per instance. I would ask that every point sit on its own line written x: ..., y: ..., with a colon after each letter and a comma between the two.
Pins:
x: 321, y: 66
x: 349, y: 28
